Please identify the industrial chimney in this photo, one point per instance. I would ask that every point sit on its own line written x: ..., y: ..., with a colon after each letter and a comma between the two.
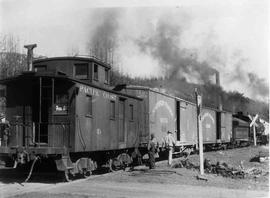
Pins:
x: 30, y: 56
x: 219, y: 96
x: 217, y: 79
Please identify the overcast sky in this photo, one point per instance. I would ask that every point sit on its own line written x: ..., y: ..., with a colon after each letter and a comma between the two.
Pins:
x: 232, y: 36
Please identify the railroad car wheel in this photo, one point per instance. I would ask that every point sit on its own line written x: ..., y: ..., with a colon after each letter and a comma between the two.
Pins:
x: 113, y: 164
x: 124, y: 160
x: 67, y: 176
x: 86, y: 173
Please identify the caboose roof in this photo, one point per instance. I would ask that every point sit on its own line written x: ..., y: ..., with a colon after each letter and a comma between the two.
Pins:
x: 59, y: 75
x: 160, y: 91
x: 241, y: 122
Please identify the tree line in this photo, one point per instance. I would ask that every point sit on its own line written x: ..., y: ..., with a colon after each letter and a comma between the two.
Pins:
x: 212, y: 94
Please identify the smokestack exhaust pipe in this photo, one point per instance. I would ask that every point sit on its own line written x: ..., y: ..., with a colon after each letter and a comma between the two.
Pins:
x: 30, y: 49
x: 217, y: 79
x: 220, y: 106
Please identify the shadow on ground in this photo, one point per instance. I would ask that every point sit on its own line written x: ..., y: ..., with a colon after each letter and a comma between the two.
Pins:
x: 10, y: 175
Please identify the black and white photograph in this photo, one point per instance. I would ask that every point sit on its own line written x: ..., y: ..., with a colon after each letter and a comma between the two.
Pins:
x: 134, y: 99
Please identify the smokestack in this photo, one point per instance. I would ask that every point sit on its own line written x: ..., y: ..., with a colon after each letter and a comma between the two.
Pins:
x: 30, y: 55
x: 217, y: 79
x: 220, y: 107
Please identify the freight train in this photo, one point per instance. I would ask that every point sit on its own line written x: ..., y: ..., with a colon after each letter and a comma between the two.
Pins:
x: 63, y: 109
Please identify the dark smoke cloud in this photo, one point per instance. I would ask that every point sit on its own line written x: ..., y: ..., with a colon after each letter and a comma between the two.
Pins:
x: 164, y: 43
x: 178, y: 62
x: 239, y: 63
x: 103, y: 39
x: 238, y: 73
x: 258, y: 85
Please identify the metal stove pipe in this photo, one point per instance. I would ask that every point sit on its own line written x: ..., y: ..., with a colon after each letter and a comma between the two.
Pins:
x: 30, y: 56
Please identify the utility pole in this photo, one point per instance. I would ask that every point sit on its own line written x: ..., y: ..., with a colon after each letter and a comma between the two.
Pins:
x: 199, y: 130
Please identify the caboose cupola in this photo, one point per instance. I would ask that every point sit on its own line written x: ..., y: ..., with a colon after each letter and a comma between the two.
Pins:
x: 86, y: 69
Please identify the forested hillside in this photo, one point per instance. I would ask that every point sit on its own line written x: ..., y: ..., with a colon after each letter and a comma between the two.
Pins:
x: 231, y: 101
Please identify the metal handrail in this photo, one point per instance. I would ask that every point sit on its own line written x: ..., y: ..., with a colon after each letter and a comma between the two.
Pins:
x: 32, y: 125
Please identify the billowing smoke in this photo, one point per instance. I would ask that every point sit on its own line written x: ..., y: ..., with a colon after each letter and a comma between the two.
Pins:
x: 258, y: 85
x: 104, y: 37
x: 177, y: 62
x: 254, y: 86
x: 166, y: 42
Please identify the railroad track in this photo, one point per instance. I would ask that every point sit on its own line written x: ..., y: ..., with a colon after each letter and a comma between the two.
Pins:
x: 12, y: 184
x: 10, y: 175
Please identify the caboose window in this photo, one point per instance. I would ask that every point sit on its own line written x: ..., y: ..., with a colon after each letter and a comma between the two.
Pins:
x: 40, y: 68
x: 106, y: 76
x: 61, y: 104
x: 95, y: 72
x: 2, y: 93
x: 89, y: 110
x: 81, y: 71
x: 131, y: 112
x: 112, y: 109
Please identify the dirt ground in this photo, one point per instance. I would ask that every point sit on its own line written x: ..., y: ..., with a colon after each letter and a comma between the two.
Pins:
x: 160, y: 182
x: 233, y: 157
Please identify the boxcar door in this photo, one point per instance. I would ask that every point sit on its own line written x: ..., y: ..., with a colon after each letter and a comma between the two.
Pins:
x: 219, y: 126
x: 121, y: 120
x: 178, y: 120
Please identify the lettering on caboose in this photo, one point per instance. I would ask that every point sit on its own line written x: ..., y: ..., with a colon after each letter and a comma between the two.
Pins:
x: 95, y: 92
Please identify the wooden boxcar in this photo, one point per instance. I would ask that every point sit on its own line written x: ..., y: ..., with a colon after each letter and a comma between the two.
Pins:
x: 165, y: 112
x: 209, y: 126
x: 241, y: 131
x: 226, y: 127
x: 216, y: 126
x: 160, y: 112
x: 187, y: 122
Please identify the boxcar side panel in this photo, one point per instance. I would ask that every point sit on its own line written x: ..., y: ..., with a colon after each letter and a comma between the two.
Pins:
x: 143, y: 115
x: 188, y: 123
x: 208, y: 118
x: 132, y: 122
x: 241, y: 130
x: 161, y: 115
x: 241, y: 133
x: 226, y: 126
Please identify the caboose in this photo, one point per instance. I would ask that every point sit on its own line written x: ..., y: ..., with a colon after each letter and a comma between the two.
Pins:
x: 64, y: 109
